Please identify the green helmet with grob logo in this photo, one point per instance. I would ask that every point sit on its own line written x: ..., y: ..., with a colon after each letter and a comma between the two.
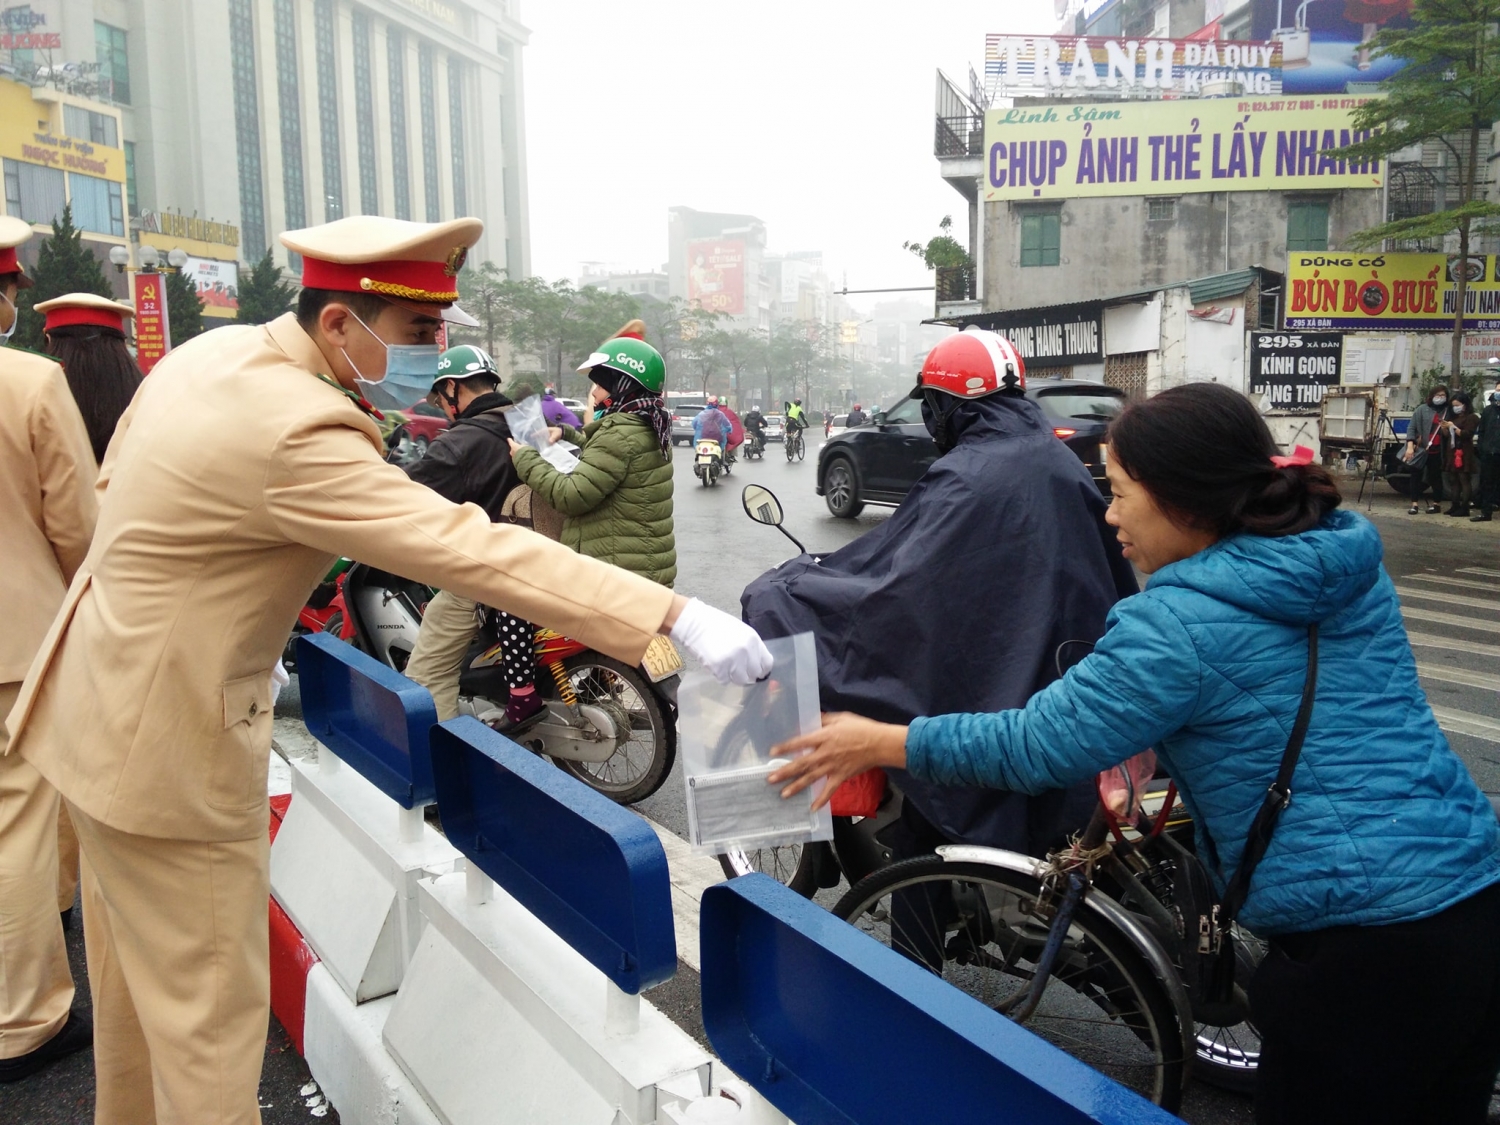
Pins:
x: 630, y: 355
x: 463, y: 362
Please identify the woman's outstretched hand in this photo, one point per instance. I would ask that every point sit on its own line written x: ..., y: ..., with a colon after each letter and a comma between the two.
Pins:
x: 844, y: 746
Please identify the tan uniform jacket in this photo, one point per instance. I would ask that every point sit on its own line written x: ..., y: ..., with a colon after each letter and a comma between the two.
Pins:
x: 47, y: 506
x: 233, y: 481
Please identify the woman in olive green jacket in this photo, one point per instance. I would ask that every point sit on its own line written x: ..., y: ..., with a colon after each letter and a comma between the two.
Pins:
x: 617, y: 503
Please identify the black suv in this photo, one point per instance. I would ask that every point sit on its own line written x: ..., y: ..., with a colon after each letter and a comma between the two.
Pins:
x: 878, y: 463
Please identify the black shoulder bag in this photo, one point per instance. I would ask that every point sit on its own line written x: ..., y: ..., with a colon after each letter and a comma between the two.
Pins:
x: 1216, y: 945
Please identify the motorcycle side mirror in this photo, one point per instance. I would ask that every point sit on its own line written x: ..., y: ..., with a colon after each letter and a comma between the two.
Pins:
x: 761, y: 505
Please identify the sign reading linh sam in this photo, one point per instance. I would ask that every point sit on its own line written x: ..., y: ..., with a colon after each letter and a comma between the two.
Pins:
x: 1390, y: 291
x: 1295, y: 368
x: 1172, y: 148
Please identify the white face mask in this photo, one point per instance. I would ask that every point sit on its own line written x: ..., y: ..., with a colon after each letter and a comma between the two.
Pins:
x: 15, y: 319
x: 1458, y: 408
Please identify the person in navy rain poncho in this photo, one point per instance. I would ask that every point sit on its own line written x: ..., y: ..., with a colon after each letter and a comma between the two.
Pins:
x: 966, y: 599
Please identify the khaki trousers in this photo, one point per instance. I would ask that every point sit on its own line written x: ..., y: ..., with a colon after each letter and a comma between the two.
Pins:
x: 36, y: 987
x: 448, y: 629
x: 180, y: 969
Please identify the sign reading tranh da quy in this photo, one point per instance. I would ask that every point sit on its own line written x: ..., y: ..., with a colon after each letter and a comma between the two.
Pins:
x: 1393, y: 292
x: 1103, y: 67
x: 1084, y: 150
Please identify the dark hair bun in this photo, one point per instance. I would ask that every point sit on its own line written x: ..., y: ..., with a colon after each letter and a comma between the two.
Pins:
x: 1204, y: 453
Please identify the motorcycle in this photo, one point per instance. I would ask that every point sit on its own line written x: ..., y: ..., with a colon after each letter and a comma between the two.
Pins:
x: 708, y: 462
x: 612, y: 726
x: 755, y: 446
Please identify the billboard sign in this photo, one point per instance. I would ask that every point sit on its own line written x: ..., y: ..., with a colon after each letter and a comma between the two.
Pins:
x: 217, y: 282
x: 1294, y: 369
x: 153, y: 336
x: 716, y: 275
x: 1172, y: 148
x: 1053, y: 336
x: 1102, y: 67
x: 1320, y: 42
x: 1389, y: 292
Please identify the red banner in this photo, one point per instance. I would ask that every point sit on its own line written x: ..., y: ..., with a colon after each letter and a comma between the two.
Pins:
x: 153, y: 336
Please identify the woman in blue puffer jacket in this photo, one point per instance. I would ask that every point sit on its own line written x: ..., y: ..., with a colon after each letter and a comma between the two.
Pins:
x: 1379, y: 1000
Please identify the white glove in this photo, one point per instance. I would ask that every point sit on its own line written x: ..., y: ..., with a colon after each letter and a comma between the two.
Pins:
x: 279, y: 680
x: 728, y: 648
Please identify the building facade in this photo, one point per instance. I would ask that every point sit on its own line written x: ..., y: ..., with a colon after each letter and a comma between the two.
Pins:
x: 241, y: 119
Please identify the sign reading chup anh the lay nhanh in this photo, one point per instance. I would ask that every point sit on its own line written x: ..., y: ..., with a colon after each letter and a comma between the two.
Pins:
x: 1172, y: 148
x: 1390, y: 291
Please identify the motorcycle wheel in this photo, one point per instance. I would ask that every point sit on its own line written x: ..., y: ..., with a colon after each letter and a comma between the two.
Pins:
x: 638, y: 768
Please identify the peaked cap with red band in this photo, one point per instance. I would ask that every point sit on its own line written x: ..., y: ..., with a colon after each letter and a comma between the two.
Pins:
x: 13, y: 232
x: 84, y: 308
x: 393, y: 258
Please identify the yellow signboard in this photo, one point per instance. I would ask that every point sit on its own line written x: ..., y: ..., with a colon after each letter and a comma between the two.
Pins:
x: 1082, y: 150
x: 1392, y: 292
x: 29, y: 133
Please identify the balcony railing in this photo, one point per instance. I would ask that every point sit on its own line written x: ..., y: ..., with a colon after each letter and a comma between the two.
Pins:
x: 954, y: 283
x: 960, y: 122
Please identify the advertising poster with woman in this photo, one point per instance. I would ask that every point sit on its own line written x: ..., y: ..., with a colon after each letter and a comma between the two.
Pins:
x: 1323, y: 41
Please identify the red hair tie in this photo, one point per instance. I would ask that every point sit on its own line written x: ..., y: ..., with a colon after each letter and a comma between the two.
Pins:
x: 1300, y: 455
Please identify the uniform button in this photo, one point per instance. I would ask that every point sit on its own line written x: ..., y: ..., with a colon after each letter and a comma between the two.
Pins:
x: 254, y: 709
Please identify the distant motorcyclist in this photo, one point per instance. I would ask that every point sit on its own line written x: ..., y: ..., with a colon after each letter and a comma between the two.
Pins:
x: 736, y: 432
x: 886, y: 610
x: 712, y: 424
x: 857, y: 417
x: 755, y: 427
x: 469, y: 463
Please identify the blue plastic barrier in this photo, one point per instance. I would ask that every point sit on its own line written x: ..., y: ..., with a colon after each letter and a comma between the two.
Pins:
x: 831, y: 1026
x: 593, y: 872
x: 372, y: 717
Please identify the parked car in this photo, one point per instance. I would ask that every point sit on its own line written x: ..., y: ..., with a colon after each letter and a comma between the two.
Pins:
x: 577, y: 406
x: 878, y: 463
x: 413, y: 432
x: 683, y: 413
x: 775, y: 427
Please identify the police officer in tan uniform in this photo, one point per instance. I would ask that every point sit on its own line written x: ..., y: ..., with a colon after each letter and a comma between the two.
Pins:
x: 246, y: 462
x: 47, y: 513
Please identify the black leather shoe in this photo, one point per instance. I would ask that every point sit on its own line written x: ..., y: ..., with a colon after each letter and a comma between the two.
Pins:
x: 1482, y: 517
x: 76, y: 1035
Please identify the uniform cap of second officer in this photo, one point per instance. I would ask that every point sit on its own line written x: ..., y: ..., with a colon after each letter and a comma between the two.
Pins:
x: 13, y: 232
x: 84, y: 308
x: 409, y: 264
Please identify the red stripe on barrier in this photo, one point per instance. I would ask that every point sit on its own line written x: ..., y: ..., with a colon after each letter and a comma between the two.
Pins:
x: 291, y: 957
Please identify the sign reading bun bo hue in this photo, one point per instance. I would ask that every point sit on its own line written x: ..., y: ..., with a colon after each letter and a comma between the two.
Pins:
x: 1390, y: 291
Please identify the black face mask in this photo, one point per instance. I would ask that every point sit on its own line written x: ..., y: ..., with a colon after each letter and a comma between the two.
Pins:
x: 937, y: 415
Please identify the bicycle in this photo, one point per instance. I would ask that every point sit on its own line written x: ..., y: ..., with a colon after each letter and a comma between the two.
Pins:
x: 1086, y: 948
x: 796, y: 448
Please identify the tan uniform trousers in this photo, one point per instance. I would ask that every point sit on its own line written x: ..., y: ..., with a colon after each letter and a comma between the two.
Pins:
x: 180, y: 969
x: 448, y: 629
x: 36, y: 987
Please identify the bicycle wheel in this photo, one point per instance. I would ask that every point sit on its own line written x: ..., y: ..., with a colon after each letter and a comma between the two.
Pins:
x: 979, y: 927
x: 801, y: 447
x: 792, y: 865
x: 1228, y: 1057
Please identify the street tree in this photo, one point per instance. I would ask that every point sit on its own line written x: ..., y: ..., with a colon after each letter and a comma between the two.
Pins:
x: 263, y: 293
x: 184, y: 307
x: 674, y: 327
x: 941, y: 251
x: 63, y: 265
x: 559, y: 323
x: 1449, y: 94
x: 481, y: 292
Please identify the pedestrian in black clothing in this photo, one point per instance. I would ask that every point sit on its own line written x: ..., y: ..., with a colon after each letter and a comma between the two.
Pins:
x: 1487, y: 454
x: 1424, y: 449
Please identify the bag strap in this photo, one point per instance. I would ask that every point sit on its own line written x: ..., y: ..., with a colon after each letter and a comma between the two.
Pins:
x: 1278, y: 796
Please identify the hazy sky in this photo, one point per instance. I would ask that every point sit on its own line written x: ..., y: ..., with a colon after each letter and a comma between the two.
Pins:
x: 816, y: 116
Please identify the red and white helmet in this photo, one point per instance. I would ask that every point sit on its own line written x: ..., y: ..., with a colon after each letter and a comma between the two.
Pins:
x: 972, y: 364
